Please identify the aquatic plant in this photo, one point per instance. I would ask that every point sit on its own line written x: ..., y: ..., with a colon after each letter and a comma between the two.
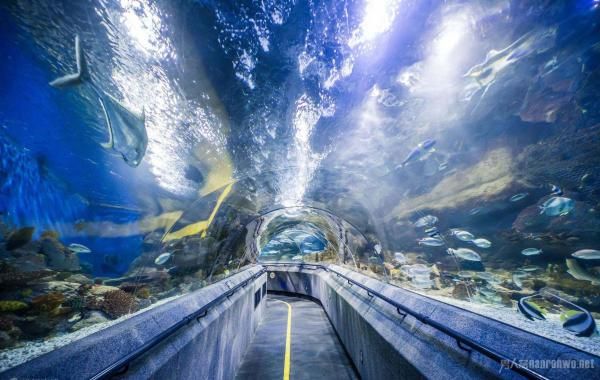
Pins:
x: 8, y: 306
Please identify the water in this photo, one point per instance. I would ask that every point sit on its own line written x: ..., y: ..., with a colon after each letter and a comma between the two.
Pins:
x: 296, y: 131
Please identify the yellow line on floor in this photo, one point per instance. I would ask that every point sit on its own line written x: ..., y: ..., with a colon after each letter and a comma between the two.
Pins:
x: 288, y: 343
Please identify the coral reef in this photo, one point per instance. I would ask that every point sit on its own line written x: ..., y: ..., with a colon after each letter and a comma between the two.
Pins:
x: 12, y: 305
x: 117, y: 303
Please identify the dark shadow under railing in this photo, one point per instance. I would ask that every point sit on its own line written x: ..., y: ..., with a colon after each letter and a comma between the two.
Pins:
x: 122, y: 365
x: 463, y: 341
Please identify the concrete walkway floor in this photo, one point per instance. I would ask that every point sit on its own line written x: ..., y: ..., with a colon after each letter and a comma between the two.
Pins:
x: 313, y: 350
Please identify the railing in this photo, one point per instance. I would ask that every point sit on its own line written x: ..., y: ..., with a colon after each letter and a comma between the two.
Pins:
x: 463, y: 341
x: 122, y: 365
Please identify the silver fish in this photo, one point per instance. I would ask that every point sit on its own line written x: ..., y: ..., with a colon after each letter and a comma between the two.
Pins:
x: 431, y: 241
x: 426, y: 221
x: 579, y: 273
x: 78, y: 248
x: 557, y: 206
x: 163, y: 258
x: 587, y: 254
x: 518, y: 197
x: 465, y: 254
x: 531, y: 251
x: 482, y: 243
x: 463, y: 235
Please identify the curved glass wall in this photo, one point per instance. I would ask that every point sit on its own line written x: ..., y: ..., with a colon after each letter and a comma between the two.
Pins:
x: 150, y: 148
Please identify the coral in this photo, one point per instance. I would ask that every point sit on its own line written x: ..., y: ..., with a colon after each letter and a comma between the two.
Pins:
x: 26, y: 292
x: 7, y: 306
x: 14, y: 278
x: 49, y: 234
x: 117, y: 303
x: 6, y: 324
x: 58, y: 257
x: 46, y: 303
x: 144, y: 293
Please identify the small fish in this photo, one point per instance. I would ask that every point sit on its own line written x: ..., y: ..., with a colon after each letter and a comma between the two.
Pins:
x: 432, y: 232
x: 298, y: 258
x: 463, y: 235
x: 163, y: 258
x: 557, y: 206
x: 426, y: 221
x: 423, y: 147
x: 518, y: 276
x: 587, y: 254
x: 413, y: 155
x: 431, y: 241
x: 78, y: 248
x: 465, y: 254
x: 518, y: 197
x: 474, y: 211
x: 579, y: 273
x: 482, y: 243
x: 487, y: 276
x: 556, y: 190
x: 529, y: 268
x: 531, y: 251
x: 443, y: 166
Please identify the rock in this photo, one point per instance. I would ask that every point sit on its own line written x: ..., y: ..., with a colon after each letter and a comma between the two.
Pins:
x: 10, y: 278
x: 19, y: 238
x: 463, y: 291
x: 100, y: 290
x: 94, y: 318
x: 58, y: 257
x: 5, y: 340
x: 79, y: 278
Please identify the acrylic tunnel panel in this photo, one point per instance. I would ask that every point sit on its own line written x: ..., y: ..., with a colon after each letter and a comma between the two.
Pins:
x: 150, y: 148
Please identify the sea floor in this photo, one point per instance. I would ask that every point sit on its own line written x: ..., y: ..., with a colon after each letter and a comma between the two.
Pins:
x: 31, y: 349
x: 550, y: 328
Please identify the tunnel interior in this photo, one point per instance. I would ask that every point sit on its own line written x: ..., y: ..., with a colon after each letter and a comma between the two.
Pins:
x: 149, y: 149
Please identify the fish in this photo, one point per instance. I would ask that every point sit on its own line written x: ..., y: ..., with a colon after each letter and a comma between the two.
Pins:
x: 518, y: 197
x: 556, y: 190
x: 432, y: 232
x: 463, y: 235
x: 587, y: 254
x: 19, y: 238
x: 431, y: 241
x: 423, y: 147
x: 557, y: 206
x: 163, y: 258
x: 575, y: 270
x: 77, y: 77
x: 531, y: 251
x: 529, y: 268
x: 474, y: 211
x: 126, y: 130
x: 298, y: 258
x: 488, y: 277
x: 518, y: 276
x: 482, y: 243
x: 426, y: 221
x: 465, y: 254
x: 442, y: 166
x: 78, y: 248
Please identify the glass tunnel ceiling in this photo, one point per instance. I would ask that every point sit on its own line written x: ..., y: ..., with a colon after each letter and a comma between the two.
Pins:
x: 196, y: 137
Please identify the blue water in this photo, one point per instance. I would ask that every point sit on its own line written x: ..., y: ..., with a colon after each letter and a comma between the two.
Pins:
x: 325, y: 130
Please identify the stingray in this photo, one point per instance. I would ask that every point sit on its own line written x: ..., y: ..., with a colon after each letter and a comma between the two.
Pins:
x: 126, y: 128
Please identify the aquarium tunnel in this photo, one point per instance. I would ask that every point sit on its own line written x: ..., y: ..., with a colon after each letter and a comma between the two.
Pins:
x: 299, y: 189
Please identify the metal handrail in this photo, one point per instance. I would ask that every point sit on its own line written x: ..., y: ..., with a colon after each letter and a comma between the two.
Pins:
x: 122, y: 365
x: 463, y: 341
